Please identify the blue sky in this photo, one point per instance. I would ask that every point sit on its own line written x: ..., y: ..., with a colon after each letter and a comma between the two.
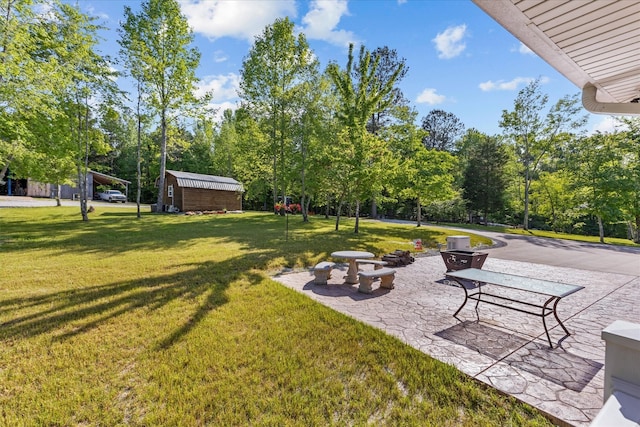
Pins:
x: 459, y: 59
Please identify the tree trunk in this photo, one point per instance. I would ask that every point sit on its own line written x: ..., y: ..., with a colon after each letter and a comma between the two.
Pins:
x: 525, y: 226
x: 163, y: 161
x: 486, y: 210
x: 138, y: 152
x: 419, y: 213
x: 303, y: 208
x: 306, y: 208
x: 357, y: 227
x: 58, y: 188
x: 374, y: 209
x: 600, y: 229
x: 637, y: 230
x: 338, y: 214
x: 631, y: 233
x: 304, y: 205
x: 85, y: 167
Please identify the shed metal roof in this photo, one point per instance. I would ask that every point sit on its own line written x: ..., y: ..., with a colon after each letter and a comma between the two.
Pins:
x: 206, y: 182
x: 594, y: 44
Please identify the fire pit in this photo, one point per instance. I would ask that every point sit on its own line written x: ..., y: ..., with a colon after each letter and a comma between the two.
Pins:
x: 459, y: 260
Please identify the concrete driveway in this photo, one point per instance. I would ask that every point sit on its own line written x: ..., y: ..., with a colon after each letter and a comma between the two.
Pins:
x: 564, y: 253
x: 32, y: 202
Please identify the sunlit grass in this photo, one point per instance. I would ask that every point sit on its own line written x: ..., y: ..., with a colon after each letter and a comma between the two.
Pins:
x: 549, y: 234
x: 172, y: 320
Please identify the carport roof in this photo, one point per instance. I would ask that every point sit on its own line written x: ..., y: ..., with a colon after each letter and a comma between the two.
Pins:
x: 105, y: 179
x: 207, y: 182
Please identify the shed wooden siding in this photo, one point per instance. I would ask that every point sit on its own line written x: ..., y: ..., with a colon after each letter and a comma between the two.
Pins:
x: 199, y: 199
x: 214, y: 200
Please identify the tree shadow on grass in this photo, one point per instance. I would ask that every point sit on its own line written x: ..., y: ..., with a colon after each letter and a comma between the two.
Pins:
x: 118, y: 233
x: 68, y: 313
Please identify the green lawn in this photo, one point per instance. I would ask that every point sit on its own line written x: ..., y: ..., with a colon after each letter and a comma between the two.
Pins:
x: 172, y: 320
x: 543, y: 233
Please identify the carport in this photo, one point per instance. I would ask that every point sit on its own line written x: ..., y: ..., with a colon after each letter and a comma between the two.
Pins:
x: 104, y: 179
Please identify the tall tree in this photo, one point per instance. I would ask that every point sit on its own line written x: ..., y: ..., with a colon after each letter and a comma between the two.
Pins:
x: 83, y: 80
x: 156, y: 41
x: 253, y: 161
x: 25, y: 48
x: 388, y: 62
x: 556, y: 199
x: 272, y: 78
x: 442, y: 130
x: 533, y: 134
x: 631, y: 147
x: 358, y: 101
x: 484, y: 175
x: 426, y: 176
x: 390, y: 108
x: 312, y: 134
x: 598, y: 169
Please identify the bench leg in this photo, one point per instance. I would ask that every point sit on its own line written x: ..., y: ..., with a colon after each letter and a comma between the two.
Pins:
x: 365, y: 285
x: 321, y: 276
x: 387, y: 281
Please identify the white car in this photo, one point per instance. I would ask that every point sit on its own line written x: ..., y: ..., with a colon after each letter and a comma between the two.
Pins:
x: 112, y: 196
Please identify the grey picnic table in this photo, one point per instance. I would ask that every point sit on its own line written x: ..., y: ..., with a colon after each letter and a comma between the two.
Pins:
x: 351, y: 256
x: 555, y: 291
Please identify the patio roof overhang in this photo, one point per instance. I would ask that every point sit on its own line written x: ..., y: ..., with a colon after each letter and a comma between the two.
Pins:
x: 594, y: 44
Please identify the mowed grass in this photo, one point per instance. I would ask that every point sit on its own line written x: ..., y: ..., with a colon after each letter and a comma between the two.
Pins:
x: 172, y: 320
x: 548, y: 234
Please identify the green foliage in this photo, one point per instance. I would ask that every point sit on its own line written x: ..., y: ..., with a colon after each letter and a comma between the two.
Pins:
x: 597, y: 164
x: 24, y: 42
x: 364, y: 156
x: 485, y: 179
x: 155, y: 43
x: 533, y: 135
x: 274, y: 85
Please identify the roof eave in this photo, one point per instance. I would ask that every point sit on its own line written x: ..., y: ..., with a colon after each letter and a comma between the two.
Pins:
x: 513, y: 20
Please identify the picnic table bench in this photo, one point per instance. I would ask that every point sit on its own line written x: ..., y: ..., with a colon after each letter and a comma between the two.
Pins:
x: 386, y: 276
x: 377, y: 264
x: 479, y: 278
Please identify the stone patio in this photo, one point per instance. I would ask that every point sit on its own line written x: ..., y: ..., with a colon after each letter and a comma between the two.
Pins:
x: 506, y: 349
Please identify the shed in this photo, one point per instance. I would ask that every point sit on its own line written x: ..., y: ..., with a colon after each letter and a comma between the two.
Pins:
x: 197, y: 192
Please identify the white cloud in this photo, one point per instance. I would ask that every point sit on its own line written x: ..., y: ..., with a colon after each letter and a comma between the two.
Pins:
x: 239, y: 19
x: 101, y: 15
x: 449, y: 43
x: 224, y: 87
x: 221, y: 107
x: 513, y: 84
x: 524, y: 49
x: 322, y: 19
x: 429, y: 96
x: 219, y: 56
x: 608, y: 124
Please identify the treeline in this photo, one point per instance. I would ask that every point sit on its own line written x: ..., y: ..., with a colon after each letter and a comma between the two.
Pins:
x: 342, y: 140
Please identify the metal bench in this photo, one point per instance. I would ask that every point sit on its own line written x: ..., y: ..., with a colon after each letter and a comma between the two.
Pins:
x: 322, y: 272
x: 386, y: 276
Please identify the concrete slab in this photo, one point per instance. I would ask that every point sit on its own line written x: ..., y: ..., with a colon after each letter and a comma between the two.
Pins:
x: 506, y: 349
